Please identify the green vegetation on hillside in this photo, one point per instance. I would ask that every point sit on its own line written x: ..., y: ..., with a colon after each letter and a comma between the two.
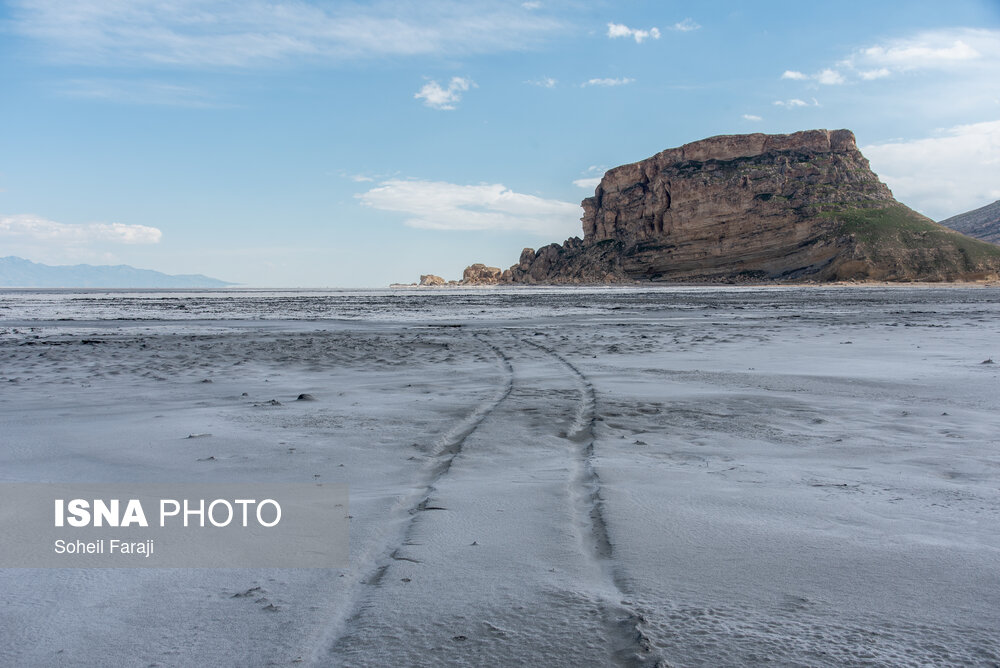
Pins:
x: 899, y: 227
x: 895, y: 243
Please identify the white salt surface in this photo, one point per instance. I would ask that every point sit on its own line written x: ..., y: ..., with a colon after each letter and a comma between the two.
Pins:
x: 697, y: 477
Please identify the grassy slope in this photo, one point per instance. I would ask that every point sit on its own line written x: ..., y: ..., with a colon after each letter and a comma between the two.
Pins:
x: 897, y: 235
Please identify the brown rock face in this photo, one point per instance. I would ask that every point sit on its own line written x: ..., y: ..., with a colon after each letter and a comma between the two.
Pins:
x: 742, y: 207
x: 745, y: 203
x: 696, y: 189
x: 480, y: 274
x: 431, y: 280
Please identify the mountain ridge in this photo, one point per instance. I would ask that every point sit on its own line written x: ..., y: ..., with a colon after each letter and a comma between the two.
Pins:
x: 982, y: 223
x: 17, y: 272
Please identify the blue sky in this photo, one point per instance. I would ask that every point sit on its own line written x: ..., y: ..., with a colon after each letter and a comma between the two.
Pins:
x: 322, y: 144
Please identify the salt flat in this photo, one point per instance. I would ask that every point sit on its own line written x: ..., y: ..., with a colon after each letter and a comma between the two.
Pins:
x: 690, y: 476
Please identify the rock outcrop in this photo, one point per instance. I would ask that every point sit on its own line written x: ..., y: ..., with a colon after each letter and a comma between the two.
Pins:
x: 749, y: 208
x: 982, y: 223
x: 480, y: 274
x: 431, y: 280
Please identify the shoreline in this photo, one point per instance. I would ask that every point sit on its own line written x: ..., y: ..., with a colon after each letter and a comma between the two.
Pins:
x: 992, y: 283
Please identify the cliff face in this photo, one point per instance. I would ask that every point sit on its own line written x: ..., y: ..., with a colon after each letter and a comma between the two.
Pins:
x: 751, y: 208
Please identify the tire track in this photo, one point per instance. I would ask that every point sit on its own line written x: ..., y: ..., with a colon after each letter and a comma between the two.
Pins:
x: 446, y: 447
x: 630, y: 645
x: 441, y: 453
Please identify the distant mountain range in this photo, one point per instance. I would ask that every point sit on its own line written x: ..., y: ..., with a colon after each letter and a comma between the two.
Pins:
x: 982, y: 223
x: 16, y: 272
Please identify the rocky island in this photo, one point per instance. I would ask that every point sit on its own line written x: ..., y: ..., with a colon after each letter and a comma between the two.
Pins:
x: 750, y: 208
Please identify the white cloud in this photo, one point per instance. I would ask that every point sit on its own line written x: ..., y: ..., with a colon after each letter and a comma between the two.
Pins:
x: 227, y: 33
x: 752, y: 117
x: 27, y: 226
x: 794, y: 103
x: 621, y: 30
x: 870, y: 75
x: 687, y: 25
x: 941, y: 176
x: 438, y: 205
x: 594, y: 175
x: 830, y: 77
x: 138, y: 92
x: 544, y: 82
x: 955, y: 50
x: 622, y: 81
x: 950, y: 75
x: 928, y: 51
x: 532, y: 4
x: 437, y: 97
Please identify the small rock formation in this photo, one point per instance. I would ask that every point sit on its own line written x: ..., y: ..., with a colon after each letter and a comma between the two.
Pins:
x: 431, y: 279
x: 982, y: 223
x: 751, y: 208
x: 480, y: 274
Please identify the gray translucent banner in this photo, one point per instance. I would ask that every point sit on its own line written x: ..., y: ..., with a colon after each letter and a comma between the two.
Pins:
x: 163, y: 525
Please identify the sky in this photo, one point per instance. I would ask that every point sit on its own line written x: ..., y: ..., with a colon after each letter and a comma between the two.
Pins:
x: 357, y: 144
